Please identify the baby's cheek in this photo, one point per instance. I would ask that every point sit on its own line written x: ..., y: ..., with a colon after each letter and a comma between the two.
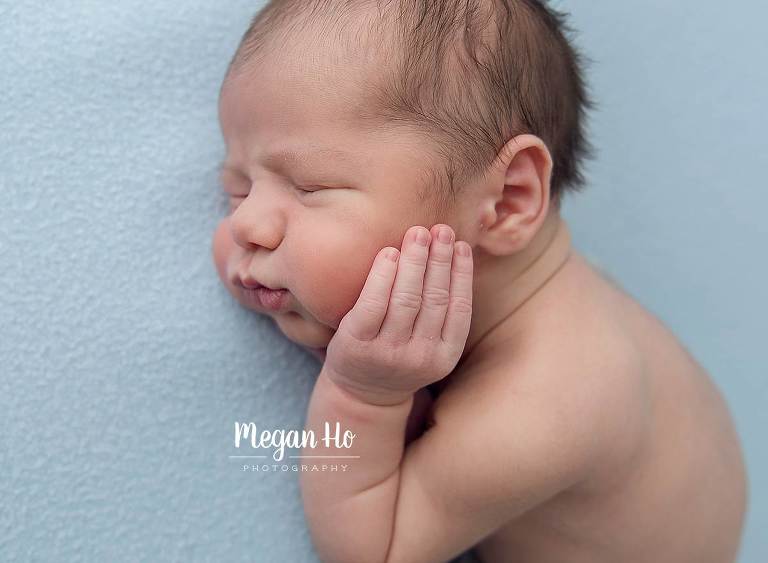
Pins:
x: 334, y: 284
x: 334, y: 295
x: 222, y: 248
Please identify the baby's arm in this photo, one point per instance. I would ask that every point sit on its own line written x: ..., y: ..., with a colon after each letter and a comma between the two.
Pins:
x: 483, y: 463
x: 350, y: 514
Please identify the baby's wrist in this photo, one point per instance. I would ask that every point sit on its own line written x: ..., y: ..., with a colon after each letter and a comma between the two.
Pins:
x: 369, y: 396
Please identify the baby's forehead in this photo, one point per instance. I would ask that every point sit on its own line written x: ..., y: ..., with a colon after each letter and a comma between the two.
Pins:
x: 349, y: 39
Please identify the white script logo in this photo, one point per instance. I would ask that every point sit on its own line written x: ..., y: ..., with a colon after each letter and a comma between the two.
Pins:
x: 279, y: 439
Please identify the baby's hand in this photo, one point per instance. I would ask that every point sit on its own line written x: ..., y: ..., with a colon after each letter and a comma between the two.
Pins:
x: 396, y: 340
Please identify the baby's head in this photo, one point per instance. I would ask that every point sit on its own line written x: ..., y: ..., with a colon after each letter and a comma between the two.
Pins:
x: 348, y: 122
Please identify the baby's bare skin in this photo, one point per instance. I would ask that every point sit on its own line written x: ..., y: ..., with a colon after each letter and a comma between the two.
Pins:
x: 665, y: 480
x: 641, y: 464
x: 670, y: 485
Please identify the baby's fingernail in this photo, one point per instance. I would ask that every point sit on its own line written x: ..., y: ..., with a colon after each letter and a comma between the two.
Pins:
x: 463, y: 248
x: 422, y: 237
x: 444, y: 235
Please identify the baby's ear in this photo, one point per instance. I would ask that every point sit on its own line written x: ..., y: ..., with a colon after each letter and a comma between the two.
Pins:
x: 517, y: 197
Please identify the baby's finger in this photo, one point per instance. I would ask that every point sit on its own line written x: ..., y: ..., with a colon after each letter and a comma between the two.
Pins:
x: 364, y: 320
x: 457, y: 320
x: 437, y: 281
x: 405, y: 300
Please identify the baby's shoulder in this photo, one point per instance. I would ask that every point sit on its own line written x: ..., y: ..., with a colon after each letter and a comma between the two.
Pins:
x: 584, y: 390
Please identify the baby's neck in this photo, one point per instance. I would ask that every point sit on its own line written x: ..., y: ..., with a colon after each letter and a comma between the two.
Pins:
x: 502, y: 285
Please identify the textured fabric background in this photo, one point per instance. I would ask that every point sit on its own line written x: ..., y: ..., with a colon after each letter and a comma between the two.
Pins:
x: 123, y: 362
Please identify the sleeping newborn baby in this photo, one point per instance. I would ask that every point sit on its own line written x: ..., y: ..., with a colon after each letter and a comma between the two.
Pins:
x: 395, y: 174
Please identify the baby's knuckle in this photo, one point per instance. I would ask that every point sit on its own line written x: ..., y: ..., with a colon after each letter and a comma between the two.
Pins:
x: 395, y: 343
x: 442, y: 258
x: 463, y: 268
x: 406, y: 299
x: 380, y: 274
x: 461, y: 304
x: 372, y: 305
x: 410, y: 260
x: 424, y: 343
x: 436, y: 296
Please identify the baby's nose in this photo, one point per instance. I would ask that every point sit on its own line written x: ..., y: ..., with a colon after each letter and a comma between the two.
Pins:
x: 255, y: 226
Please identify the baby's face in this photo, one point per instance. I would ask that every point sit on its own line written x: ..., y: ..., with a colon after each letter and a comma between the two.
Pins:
x: 319, y: 245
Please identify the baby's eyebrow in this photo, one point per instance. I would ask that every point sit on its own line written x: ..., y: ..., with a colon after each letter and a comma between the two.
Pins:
x: 302, y: 157
x: 296, y: 158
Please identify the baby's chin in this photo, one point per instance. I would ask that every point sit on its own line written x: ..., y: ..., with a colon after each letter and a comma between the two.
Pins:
x: 307, y: 332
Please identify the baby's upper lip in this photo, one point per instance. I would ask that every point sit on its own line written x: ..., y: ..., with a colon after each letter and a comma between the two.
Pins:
x: 249, y: 282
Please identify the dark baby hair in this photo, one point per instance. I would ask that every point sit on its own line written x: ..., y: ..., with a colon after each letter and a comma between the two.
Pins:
x: 469, y: 74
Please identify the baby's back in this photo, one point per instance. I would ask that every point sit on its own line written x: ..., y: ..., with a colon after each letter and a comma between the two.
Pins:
x: 672, y: 485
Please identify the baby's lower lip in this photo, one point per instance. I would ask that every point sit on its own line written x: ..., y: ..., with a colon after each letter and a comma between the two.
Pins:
x: 271, y: 300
